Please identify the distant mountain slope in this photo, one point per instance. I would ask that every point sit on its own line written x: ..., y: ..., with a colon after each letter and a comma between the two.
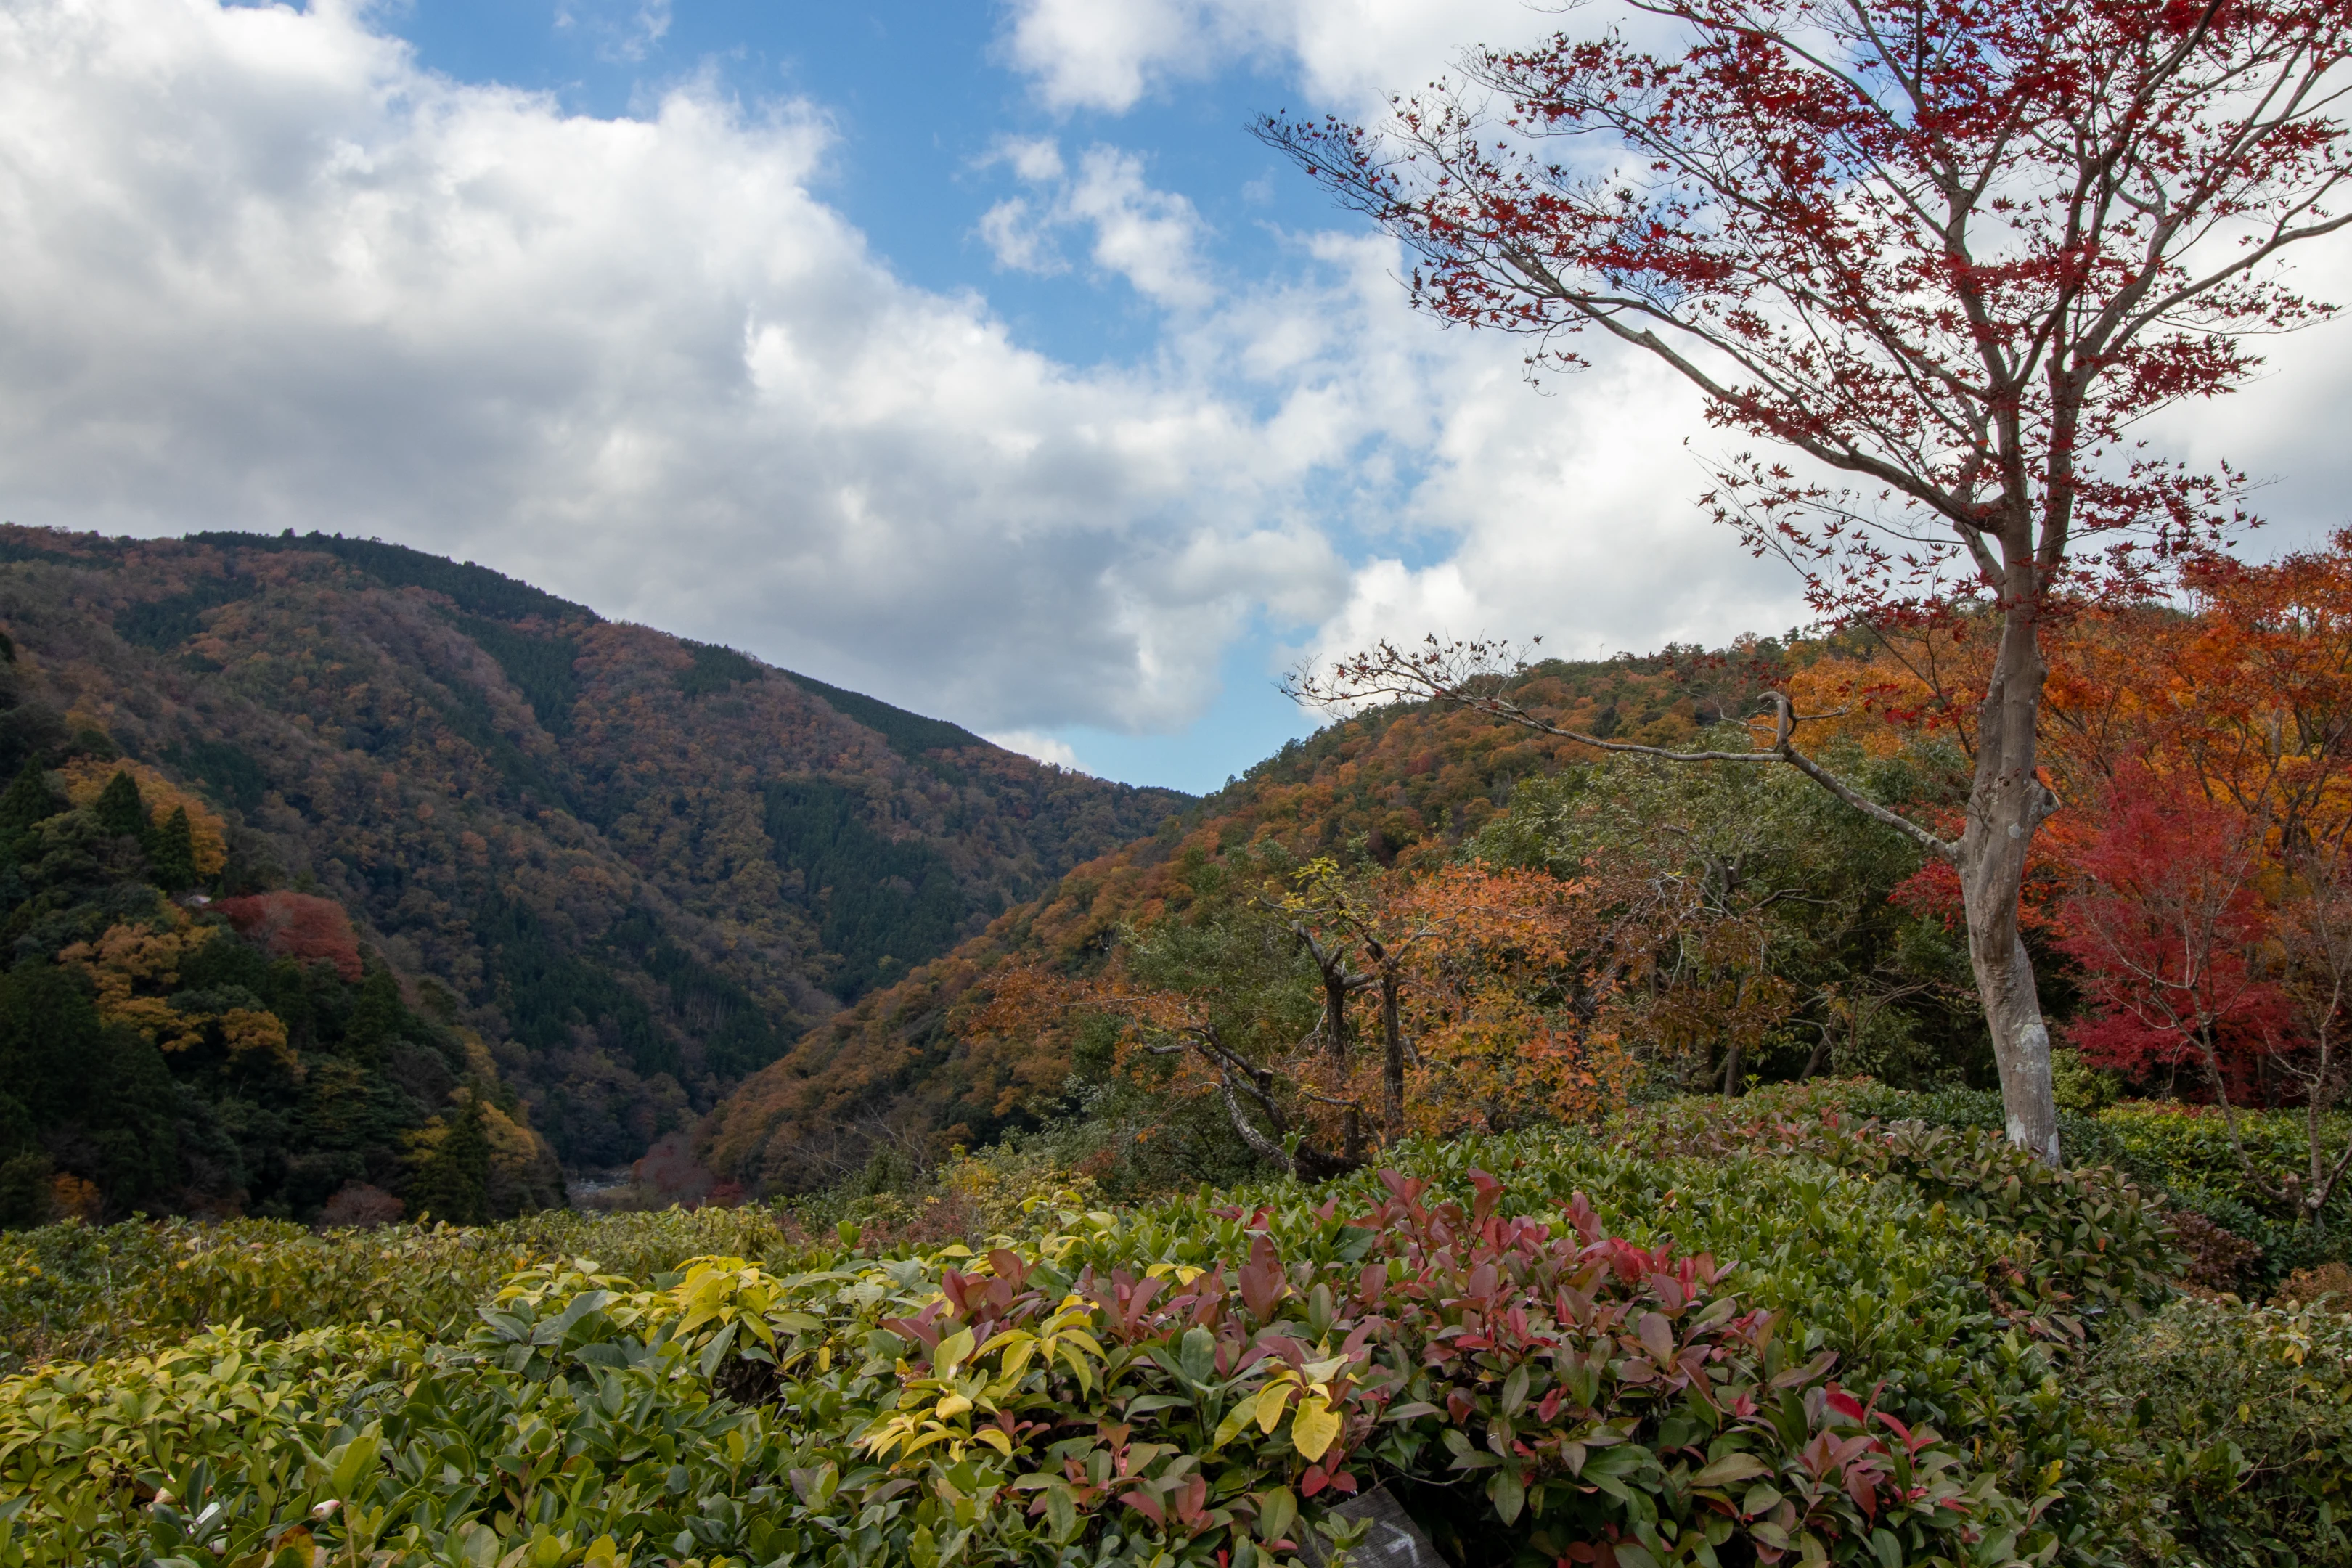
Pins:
x: 636, y: 867
x: 1403, y: 783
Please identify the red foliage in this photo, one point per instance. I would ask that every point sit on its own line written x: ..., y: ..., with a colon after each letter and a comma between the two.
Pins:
x: 2170, y: 928
x: 356, y: 1203
x: 1895, y: 238
x: 299, y: 926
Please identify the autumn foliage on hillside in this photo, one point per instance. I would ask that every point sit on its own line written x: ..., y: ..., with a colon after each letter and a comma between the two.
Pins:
x: 1400, y: 789
x: 1425, y: 921
x: 637, y: 866
x: 2199, y: 878
x: 300, y: 926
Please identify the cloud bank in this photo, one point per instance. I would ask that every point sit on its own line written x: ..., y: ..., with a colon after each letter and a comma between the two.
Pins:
x: 259, y: 270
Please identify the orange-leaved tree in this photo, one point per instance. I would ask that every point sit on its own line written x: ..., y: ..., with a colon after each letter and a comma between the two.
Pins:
x: 1506, y: 1009
x: 1945, y: 254
x: 2200, y: 885
x: 1484, y: 988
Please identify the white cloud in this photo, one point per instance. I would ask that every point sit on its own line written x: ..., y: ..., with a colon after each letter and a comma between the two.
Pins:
x: 622, y: 33
x: 1037, y: 159
x: 1038, y: 744
x: 2286, y: 430
x: 258, y: 271
x: 1016, y: 236
x: 1082, y: 53
x: 1151, y: 237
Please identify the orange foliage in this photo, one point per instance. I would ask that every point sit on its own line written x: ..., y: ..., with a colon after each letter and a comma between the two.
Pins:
x: 1508, y: 1014
x: 72, y: 1197
x: 1502, y: 1019
x: 2223, y: 718
x: 2244, y: 687
x: 135, y: 969
x: 1407, y: 784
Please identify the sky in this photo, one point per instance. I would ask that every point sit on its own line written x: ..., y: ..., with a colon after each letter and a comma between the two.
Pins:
x: 970, y: 355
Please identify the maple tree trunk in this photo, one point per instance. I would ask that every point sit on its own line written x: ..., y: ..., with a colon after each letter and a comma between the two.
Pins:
x: 2007, y: 802
x: 1392, y: 1069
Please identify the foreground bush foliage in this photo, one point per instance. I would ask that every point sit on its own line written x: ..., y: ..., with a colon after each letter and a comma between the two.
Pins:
x: 2180, y: 1155
x: 1754, y: 1335
x: 78, y: 1291
x: 2242, y: 1420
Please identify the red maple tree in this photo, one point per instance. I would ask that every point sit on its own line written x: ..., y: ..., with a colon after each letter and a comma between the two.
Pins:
x: 297, y: 925
x: 1944, y: 253
x: 2169, y: 929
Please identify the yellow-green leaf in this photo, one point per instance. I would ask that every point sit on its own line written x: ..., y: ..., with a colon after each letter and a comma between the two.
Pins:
x: 1235, y: 1419
x: 1315, y: 1427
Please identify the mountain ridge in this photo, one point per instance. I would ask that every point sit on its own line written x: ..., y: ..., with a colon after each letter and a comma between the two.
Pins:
x: 634, y: 865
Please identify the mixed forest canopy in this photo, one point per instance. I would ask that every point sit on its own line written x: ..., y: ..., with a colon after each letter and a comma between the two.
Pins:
x: 340, y: 855
x: 1429, y: 920
x: 1943, y: 260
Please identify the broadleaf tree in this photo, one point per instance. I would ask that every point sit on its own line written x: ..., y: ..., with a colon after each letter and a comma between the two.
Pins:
x: 1944, y: 255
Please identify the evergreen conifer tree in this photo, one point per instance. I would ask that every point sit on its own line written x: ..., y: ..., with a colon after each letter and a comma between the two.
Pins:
x: 118, y: 809
x: 377, y: 1018
x: 453, y: 1183
x: 172, y: 852
x: 28, y: 801
x: 25, y: 1191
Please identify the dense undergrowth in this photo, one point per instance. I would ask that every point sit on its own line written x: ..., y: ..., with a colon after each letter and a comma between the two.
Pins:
x: 1765, y: 1331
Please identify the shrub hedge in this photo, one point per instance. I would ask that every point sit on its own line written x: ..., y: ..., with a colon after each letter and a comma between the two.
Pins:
x: 1768, y: 1332
x: 2181, y: 1153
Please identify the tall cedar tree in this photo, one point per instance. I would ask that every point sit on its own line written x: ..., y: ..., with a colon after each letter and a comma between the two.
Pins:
x: 1953, y: 249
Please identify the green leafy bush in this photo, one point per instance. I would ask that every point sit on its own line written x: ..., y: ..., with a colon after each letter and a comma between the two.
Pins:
x: 2234, y: 1440
x: 1754, y: 1335
x: 2089, y: 1242
x: 1078, y: 1399
x: 2186, y: 1151
x: 2181, y: 1153
x: 80, y: 1291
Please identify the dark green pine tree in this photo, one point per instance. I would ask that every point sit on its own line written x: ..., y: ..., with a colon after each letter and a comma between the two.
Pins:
x: 118, y: 809
x: 28, y: 803
x: 378, y: 1017
x: 172, y: 852
x: 25, y: 1190
x: 454, y: 1181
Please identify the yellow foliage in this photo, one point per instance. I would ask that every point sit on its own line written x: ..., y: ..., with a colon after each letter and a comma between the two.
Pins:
x: 129, y: 965
x: 135, y: 968
x: 72, y: 1197
x: 248, y: 1029
x: 85, y: 779
x: 513, y: 1147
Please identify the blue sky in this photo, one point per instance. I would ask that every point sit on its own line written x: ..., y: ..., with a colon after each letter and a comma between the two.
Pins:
x: 974, y: 356
x: 921, y: 98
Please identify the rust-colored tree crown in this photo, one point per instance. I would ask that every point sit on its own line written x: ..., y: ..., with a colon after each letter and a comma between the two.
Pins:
x: 1953, y: 248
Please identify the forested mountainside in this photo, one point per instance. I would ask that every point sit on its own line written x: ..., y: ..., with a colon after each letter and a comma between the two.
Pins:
x: 1398, y: 786
x: 597, y: 873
